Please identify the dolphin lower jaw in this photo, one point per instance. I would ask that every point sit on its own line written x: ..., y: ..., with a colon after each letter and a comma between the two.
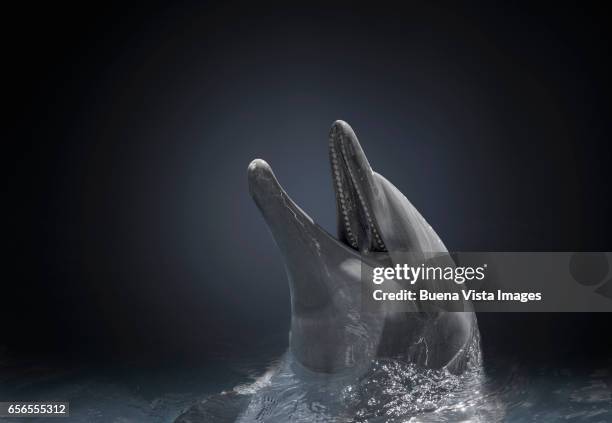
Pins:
x: 324, y: 294
x: 298, y: 238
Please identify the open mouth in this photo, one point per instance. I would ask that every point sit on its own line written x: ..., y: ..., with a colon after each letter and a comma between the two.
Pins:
x: 355, y: 190
x: 357, y: 226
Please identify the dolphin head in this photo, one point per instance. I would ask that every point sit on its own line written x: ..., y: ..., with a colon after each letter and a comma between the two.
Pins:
x: 330, y: 330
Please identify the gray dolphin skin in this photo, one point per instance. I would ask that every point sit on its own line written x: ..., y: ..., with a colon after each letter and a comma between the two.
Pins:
x: 330, y: 330
x: 334, y: 341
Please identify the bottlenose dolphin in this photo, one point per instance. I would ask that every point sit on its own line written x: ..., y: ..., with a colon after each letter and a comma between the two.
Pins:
x: 330, y: 330
x: 334, y: 339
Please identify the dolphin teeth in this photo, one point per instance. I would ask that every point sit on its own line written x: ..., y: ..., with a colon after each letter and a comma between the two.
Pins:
x: 344, y: 202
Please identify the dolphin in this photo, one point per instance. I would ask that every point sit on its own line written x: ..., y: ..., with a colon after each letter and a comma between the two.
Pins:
x: 334, y: 339
x: 376, y: 225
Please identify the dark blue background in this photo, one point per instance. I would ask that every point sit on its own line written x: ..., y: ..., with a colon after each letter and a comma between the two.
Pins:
x: 131, y: 232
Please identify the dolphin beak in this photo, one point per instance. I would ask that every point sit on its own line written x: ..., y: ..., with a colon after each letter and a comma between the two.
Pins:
x: 355, y: 190
x: 279, y: 210
x: 342, y: 137
x: 298, y: 237
x: 324, y: 277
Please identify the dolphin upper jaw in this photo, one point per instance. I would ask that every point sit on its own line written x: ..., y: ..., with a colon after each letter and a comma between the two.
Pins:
x: 355, y: 189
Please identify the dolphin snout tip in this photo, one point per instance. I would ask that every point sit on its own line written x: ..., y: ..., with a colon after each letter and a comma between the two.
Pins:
x: 341, y: 130
x: 257, y: 167
x: 261, y: 178
x: 340, y: 125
